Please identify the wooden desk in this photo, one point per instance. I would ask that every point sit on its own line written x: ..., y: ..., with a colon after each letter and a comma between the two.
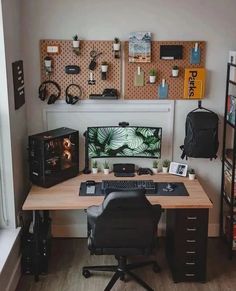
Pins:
x: 186, y: 224
x: 65, y: 196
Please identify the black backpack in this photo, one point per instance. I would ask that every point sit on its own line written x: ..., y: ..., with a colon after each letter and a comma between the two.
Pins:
x: 201, y: 130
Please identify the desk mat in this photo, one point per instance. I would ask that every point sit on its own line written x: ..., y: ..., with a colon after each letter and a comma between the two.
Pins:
x: 179, y: 190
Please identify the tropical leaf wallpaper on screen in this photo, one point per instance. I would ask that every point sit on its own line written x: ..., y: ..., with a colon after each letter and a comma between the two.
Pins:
x: 124, y: 141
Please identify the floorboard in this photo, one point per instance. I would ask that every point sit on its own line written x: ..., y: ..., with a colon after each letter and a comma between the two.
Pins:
x: 69, y: 255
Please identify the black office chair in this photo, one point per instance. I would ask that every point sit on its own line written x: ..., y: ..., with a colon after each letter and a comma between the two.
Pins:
x: 124, y: 225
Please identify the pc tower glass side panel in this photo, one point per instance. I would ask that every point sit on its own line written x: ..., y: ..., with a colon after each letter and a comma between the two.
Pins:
x: 53, y: 156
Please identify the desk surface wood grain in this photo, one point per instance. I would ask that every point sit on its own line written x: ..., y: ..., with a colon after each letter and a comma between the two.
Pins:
x: 65, y: 196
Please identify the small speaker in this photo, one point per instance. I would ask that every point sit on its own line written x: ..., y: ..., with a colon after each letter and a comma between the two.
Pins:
x: 124, y: 170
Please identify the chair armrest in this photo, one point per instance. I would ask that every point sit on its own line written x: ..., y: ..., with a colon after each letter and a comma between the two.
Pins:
x: 93, y: 213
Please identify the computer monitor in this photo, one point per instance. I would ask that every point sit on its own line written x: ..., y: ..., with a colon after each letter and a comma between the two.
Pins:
x: 129, y: 141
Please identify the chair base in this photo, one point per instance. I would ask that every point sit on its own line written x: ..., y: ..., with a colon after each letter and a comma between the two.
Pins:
x: 121, y: 270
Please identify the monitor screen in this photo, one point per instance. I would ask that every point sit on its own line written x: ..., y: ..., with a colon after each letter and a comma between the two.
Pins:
x: 130, y: 141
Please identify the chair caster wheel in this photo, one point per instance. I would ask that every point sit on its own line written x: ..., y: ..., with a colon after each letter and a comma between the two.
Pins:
x: 156, y: 268
x: 122, y: 277
x: 86, y: 274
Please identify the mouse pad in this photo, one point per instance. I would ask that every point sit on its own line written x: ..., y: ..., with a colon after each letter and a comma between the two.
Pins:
x: 179, y: 190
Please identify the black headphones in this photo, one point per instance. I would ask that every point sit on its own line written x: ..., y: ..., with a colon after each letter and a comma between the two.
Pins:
x: 43, y: 92
x: 72, y: 99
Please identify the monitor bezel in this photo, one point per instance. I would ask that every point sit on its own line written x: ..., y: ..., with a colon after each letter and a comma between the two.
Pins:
x: 120, y: 157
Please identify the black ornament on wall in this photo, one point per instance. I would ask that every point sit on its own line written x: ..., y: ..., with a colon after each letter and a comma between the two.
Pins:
x: 18, y: 83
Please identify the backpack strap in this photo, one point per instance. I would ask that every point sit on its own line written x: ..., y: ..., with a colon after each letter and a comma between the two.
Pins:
x: 183, y: 153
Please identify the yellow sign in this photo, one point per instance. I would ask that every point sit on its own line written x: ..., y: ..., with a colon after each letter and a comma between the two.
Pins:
x: 194, y: 83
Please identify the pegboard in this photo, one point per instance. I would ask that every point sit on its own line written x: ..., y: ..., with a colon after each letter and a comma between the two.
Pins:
x: 163, y: 67
x: 66, y: 57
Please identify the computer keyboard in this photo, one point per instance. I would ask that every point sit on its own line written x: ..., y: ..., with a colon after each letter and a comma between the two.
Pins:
x: 129, y: 185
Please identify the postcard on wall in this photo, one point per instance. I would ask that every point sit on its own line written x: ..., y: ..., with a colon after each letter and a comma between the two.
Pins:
x: 194, y: 83
x: 140, y: 47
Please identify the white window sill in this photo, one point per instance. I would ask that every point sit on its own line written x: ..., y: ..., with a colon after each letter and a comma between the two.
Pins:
x: 7, y: 240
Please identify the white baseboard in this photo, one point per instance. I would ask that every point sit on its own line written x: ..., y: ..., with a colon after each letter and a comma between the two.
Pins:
x: 80, y: 230
x: 15, y: 276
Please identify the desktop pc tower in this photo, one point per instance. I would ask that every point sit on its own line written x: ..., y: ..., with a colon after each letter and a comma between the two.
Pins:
x: 53, y: 156
x: 28, y: 258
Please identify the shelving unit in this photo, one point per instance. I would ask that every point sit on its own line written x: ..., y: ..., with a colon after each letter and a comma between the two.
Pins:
x: 228, y: 182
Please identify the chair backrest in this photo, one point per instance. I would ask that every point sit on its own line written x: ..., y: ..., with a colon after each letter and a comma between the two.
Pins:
x: 127, y: 220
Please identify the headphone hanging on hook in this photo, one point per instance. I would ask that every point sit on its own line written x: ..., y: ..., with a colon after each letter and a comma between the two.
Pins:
x: 70, y: 98
x: 44, y: 93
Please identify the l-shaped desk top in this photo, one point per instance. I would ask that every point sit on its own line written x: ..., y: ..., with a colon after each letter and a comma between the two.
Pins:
x: 65, y: 196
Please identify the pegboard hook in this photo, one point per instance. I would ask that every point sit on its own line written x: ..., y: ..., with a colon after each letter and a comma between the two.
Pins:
x: 199, y: 104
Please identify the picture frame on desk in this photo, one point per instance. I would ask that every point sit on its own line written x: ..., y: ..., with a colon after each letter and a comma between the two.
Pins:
x: 178, y: 169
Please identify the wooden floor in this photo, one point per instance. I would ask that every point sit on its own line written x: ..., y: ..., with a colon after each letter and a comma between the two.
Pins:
x: 69, y: 255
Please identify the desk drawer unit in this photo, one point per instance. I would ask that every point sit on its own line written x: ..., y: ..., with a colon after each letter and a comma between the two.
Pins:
x: 186, y: 243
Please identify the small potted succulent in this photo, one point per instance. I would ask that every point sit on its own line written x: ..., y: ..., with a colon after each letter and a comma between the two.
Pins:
x: 165, y: 166
x: 104, y: 67
x: 116, y: 44
x: 106, y: 168
x: 175, y: 71
x: 75, y: 42
x: 155, y: 167
x: 94, y: 167
x: 152, y: 76
x: 191, y: 174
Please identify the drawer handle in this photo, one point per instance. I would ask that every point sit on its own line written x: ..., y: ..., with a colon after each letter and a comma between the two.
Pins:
x: 190, y: 252
x: 191, y: 240
x: 190, y: 264
x: 189, y: 275
x: 191, y: 217
x: 191, y: 229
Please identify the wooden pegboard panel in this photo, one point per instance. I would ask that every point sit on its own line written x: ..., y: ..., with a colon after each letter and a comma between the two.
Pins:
x: 164, y: 68
x: 68, y: 57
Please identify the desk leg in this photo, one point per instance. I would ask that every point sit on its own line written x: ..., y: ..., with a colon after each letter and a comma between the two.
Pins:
x: 36, y: 218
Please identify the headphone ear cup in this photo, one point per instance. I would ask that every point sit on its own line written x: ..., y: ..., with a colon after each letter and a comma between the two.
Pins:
x: 74, y: 100
x: 69, y: 98
x: 43, y: 93
x: 52, y: 99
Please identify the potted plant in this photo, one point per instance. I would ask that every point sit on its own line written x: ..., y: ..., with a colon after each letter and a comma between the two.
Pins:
x: 191, y: 174
x: 165, y: 166
x: 104, y: 67
x: 94, y: 167
x: 175, y: 71
x: 106, y: 168
x: 155, y: 167
x: 152, y: 76
x: 116, y: 44
x: 75, y: 42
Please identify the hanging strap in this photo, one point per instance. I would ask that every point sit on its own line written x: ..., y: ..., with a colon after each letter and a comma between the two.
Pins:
x: 183, y: 153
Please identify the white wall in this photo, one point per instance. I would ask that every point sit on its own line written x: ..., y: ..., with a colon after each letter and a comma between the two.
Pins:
x: 15, y: 148
x: 210, y: 20
x: 13, y: 134
x: 6, y: 178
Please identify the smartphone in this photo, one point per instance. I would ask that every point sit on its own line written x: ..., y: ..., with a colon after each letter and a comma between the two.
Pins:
x: 90, y: 187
